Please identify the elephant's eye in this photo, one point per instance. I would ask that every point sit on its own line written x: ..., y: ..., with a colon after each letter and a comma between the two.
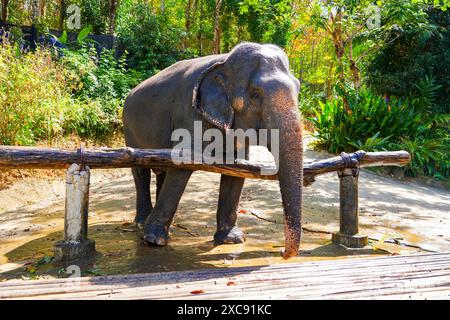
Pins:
x: 255, y: 95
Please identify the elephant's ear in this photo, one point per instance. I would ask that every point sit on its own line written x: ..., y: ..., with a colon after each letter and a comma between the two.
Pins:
x: 210, y: 97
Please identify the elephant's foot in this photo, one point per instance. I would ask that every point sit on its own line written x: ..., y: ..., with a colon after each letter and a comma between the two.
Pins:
x: 155, y: 234
x: 229, y: 236
x: 139, y: 220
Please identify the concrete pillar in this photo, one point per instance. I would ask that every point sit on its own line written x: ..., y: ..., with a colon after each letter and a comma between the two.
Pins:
x: 75, y: 244
x: 348, y: 234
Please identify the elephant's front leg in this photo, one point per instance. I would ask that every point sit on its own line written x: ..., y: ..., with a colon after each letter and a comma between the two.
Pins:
x: 229, y: 195
x: 143, y: 201
x: 156, y: 229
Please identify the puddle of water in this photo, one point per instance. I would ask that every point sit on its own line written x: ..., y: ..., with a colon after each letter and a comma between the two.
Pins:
x: 123, y: 252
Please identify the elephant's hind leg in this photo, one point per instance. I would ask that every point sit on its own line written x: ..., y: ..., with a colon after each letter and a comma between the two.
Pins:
x: 143, y: 201
x: 229, y: 195
x: 156, y: 229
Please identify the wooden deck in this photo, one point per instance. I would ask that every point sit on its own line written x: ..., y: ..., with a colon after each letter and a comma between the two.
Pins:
x: 421, y: 276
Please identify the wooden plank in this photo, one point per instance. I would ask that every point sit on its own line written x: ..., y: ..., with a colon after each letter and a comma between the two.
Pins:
x: 328, y: 268
x: 332, y: 267
x: 46, y: 158
x: 415, y: 276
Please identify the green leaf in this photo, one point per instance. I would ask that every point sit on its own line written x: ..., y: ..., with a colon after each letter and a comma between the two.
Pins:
x: 45, y: 260
x: 17, y: 50
x: 83, y: 34
x: 63, y: 38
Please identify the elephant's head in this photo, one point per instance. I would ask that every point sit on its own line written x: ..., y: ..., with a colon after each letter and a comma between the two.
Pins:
x: 251, y: 87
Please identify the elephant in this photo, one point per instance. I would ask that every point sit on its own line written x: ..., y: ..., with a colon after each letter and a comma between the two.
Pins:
x: 249, y: 87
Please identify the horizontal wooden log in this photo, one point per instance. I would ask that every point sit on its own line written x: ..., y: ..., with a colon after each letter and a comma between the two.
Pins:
x: 53, y: 158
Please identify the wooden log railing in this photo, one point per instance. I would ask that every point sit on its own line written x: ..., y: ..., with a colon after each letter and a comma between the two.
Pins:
x: 79, y: 162
x: 52, y: 158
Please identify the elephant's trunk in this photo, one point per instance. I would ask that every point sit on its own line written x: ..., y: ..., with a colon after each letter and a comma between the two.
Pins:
x: 290, y: 173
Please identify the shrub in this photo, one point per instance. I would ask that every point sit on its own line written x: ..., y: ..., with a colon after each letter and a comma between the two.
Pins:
x: 31, y: 89
x: 409, y: 55
x: 151, y: 40
x: 375, y: 123
x: 370, y: 124
x: 41, y: 97
x: 100, y: 76
x: 103, y: 83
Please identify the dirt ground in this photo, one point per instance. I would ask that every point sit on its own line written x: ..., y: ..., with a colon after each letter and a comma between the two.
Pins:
x: 399, y: 217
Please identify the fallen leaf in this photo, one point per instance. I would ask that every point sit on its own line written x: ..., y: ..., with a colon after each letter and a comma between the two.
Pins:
x: 244, y: 211
x: 128, y: 227
x: 179, y: 226
x: 231, y: 283
x: 197, y: 292
x: 127, y: 224
x: 31, y: 269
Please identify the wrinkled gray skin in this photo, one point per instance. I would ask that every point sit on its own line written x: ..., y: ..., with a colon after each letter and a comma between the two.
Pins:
x: 250, y: 87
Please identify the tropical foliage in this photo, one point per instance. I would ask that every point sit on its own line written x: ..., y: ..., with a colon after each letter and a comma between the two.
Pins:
x: 374, y: 74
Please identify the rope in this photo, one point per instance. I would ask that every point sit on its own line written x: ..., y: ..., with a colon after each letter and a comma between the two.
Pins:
x: 352, y: 161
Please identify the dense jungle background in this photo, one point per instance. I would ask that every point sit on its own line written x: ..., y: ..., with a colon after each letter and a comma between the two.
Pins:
x: 374, y: 74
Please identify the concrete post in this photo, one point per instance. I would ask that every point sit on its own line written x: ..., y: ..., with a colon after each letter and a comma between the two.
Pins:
x: 75, y: 244
x: 348, y: 234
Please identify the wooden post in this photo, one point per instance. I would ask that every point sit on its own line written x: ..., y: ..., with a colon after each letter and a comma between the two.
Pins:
x: 348, y: 234
x: 75, y: 244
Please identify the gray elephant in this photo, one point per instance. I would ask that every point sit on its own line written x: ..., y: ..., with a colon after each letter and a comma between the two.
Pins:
x: 250, y: 87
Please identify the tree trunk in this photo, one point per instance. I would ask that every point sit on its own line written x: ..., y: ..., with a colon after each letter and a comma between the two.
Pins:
x: 5, y: 10
x: 354, y: 69
x: 35, y: 10
x: 216, y: 47
x: 43, y: 7
x: 113, y: 5
x: 187, y: 23
x: 339, y: 47
x: 200, y: 31
x: 62, y: 14
x: 239, y: 33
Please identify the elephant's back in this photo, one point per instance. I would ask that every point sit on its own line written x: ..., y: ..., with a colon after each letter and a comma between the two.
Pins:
x: 162, y: 103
